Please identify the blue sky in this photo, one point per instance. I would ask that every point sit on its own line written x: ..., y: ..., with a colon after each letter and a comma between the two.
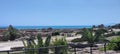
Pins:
x: 59, y: 12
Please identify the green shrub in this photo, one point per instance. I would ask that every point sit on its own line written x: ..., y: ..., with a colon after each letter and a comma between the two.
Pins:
x: 4, y: 38
x: 102, y: 49
x: 114, y: 44
x: 55, y: 33
x: 60, y: 42
x: 118, y: 33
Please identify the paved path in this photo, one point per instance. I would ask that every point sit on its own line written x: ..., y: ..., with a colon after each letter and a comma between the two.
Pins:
x: 8, y: 45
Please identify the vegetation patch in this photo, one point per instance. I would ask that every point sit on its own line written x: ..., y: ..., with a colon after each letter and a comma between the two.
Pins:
x: 114, y: 44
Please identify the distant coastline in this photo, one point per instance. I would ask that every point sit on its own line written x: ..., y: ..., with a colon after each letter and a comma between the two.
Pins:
x: 54, y: 27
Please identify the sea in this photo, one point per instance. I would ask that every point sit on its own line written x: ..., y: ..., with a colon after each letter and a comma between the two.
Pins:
x: 54, y: 27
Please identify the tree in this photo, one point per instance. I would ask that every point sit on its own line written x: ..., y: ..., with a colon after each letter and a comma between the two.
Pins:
x: 49, y: 29
x: 93, y: 26
x: 99, y: 35
x: 11, y: 33
x: 101, y: 26
x: 40, y: 43
x: 91, y: 37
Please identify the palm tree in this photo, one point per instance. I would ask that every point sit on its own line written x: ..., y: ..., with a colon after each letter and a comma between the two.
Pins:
x: 40, y: 43
x: 91, y: 37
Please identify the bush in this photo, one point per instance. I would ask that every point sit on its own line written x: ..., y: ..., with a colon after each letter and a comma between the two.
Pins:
x: 102, y: 49
x: 114, y: 44
x: 60, y: 42
x: 118, y: 33
x: 4, y: 38
x: 55, y: 33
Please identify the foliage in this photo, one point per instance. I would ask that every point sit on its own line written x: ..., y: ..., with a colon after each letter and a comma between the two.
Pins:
x: 118, y: 33
x: 114, y: 44
x: 93, y: 36
x: 111, y: 34
x: 11, y: 34
x: 55, y: 33
x: 31, y: 44
x: 61, y: 42
x: 102, y: 49
x: 49, y: 29
x: 88, y: 35
x: 101, y: 31
x: 5, y: 36
x: 99, y: 35
x: 116, y: 26
x: 58, y: 42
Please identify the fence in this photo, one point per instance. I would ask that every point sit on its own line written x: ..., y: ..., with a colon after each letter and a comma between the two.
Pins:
x: 70, y: 49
